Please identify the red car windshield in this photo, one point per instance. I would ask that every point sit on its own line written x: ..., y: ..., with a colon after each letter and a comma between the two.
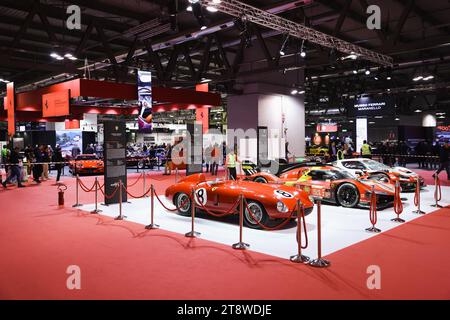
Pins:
x: 89, y: 157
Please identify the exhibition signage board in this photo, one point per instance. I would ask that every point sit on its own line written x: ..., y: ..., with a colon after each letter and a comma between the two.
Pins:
x: 327, y: 127
x: 202, y: 111
x: 361, y: 132
x: 56, y: 104
x: 11, y: 108
x: 145, y: 101
x: 195, y: 152
x: 367, y: 106
x: 115, y: 141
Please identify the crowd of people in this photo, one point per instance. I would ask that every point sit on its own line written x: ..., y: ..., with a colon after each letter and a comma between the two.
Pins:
x: 19, y: 165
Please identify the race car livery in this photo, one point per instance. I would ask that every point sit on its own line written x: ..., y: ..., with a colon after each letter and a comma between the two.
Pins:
x: 268, y: 203
x: 332, y: 185
x: 378, y: 171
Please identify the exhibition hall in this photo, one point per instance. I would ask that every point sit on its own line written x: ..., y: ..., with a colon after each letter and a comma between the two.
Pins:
x: 253, y: 151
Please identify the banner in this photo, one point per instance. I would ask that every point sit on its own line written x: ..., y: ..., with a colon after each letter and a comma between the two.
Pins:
x: 56, y: 104
x: 367, y: 106
x: 11, y: 108
x: 115, y: 141
x: 327, y: 127
x: 361, y: 132
x: 195, y: 152
x: 202, y: 111
x: 71, y: 142
x: 145, y: 101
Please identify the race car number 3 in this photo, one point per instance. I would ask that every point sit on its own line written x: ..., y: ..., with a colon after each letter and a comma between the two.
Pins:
x: 201, y: 196
x: 284, y: 194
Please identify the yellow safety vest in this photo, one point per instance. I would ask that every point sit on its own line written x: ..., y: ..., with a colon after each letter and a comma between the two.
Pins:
x: 231, y: 161
x: 365, y: 149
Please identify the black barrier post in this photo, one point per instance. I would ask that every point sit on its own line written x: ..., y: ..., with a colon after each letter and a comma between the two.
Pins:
x: 192, y: 233
x: 319, y: 262
x: 241, y: 245
x: 152, y: 225
x: 76, y: 205
x: 437, y: 192
x: 120, y: 217
x: 96, y: 210
x: 299, y: 257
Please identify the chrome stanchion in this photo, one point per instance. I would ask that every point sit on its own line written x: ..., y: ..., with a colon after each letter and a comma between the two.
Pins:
x: 241, y: 245
x: 192, y: 233
x: 120, y: 217
x: 417, y: 198
x: 319, y: 262
x: 437, y: 192
x: 145, y: 184
x: 96, y: 210
x: 77, y: 204
x: 152, y: 225
x: 299, y: 257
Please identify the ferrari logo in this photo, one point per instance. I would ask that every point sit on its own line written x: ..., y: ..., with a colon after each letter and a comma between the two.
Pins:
x: 214, y: 189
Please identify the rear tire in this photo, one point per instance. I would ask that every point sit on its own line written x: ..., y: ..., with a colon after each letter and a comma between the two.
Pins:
x: 260, y: 180
x: 258, y: 211
x: 347, y: 195
x: 141, y: 164
x: 183, y: 203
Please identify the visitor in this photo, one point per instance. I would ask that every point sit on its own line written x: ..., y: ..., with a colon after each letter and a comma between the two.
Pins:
x: 45, y: 164
x: 90, y: 149
x: 75, y: 151
x: 366, y: 150
x: 215, y: 155
x: 332, y: 151
x: 58, y: 159
x: 444, y: 160
x: 340, y: 153
x: 5, y: 156
x: 14, y: 161
x: 168, y: 165
x: 37, y: 166
x: 230, y: 164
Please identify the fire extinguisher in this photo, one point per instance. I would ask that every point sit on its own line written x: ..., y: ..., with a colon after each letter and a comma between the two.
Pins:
x: 61, y: 189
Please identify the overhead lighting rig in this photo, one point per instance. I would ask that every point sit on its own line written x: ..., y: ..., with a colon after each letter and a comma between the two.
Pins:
x: 266, y: 19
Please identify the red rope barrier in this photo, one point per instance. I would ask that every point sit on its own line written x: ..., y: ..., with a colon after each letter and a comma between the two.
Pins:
x: 219, y: 215
x: 437, y: 190
x: 134, y: 183
x: 165, y: 207
x: 86, y: 189
x: 110, y: 196
x: 373, y: 208
x: 138, y: 197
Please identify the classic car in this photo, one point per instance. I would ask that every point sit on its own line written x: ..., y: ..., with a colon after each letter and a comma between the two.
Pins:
x: 268, y: 203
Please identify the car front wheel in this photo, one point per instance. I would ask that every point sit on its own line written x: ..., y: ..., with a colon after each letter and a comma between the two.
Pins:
x: 257, y: 216
x: 183, y: 204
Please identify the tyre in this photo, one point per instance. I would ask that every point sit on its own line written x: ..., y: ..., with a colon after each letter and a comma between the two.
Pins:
x: 141, y: 164
x: 183, y: 203
x: 258, y: 212
x: 347, y: 195
x: 260, y: 180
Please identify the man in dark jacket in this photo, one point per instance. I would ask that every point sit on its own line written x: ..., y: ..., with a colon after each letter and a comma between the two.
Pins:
x: 444, y: 160
x: 58, y: 158
x: 14, y: 160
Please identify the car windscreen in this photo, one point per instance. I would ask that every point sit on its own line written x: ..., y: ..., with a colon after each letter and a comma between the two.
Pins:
x: 375, y: 165
x: 87, y: 158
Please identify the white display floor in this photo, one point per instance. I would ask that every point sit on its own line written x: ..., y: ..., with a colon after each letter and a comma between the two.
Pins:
x: 340, y: 227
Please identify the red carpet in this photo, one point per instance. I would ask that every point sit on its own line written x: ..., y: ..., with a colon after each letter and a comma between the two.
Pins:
x: 121, y: 260
x: 429, y: 180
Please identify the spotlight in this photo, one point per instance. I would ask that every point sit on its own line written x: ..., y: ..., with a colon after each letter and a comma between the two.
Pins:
x: 189, y: 8
x: 284, y: 45
x: 303, y: 54
x: 388, y: 78
x: 397, y: 119
x: 367, y: 71
x: 303, y: 50
x: 355, y: 71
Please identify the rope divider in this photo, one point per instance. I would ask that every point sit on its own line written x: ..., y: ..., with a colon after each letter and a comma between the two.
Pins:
x: 231, y: 211
x: 135, y: 182
x: 85, y: 188
x: 113, y: 193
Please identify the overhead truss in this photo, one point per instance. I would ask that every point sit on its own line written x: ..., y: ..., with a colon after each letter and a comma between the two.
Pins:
x: 258, y: 16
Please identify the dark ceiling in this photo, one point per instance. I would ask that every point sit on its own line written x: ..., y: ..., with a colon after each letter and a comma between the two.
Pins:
x: 416, y: 33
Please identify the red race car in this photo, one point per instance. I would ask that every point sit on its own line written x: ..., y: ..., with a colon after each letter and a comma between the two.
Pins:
x: 86, y: 164
x: 333, y: 185
x: 267, y: 202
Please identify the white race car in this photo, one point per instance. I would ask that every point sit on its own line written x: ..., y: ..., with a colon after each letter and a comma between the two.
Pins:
x: 377, y: 170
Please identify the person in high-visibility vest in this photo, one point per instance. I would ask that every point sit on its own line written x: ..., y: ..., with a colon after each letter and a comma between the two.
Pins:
x: 366, y: 150
x: 230, y: 163
x: 340, y: 153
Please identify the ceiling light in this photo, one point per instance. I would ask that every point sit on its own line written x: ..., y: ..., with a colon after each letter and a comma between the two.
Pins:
x: 355, y: 71
x: 418, y: 111
x: 217, y: 1
x: 204, y: 80
x: 376, y: 78
x: 54, y: 55
x: 372, y: 122
x: 294, y: 91
x: 301, y: 92
x: 203, y: 28
x: 428, y: 78
x: 211, y: 9
x: 351, y: 121
x: 59, y: 58
x: 441, y: 117
x: 284, y: 45
x: 397, y: 119
x: 68, y: 55
x: 303, y: 54
x: 189, y: 8
x: 367, y: 72
x: 417, y: 78
x: 388, y: 78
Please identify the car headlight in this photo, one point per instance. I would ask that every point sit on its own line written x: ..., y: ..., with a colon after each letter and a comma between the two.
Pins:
x: 281, y: 207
